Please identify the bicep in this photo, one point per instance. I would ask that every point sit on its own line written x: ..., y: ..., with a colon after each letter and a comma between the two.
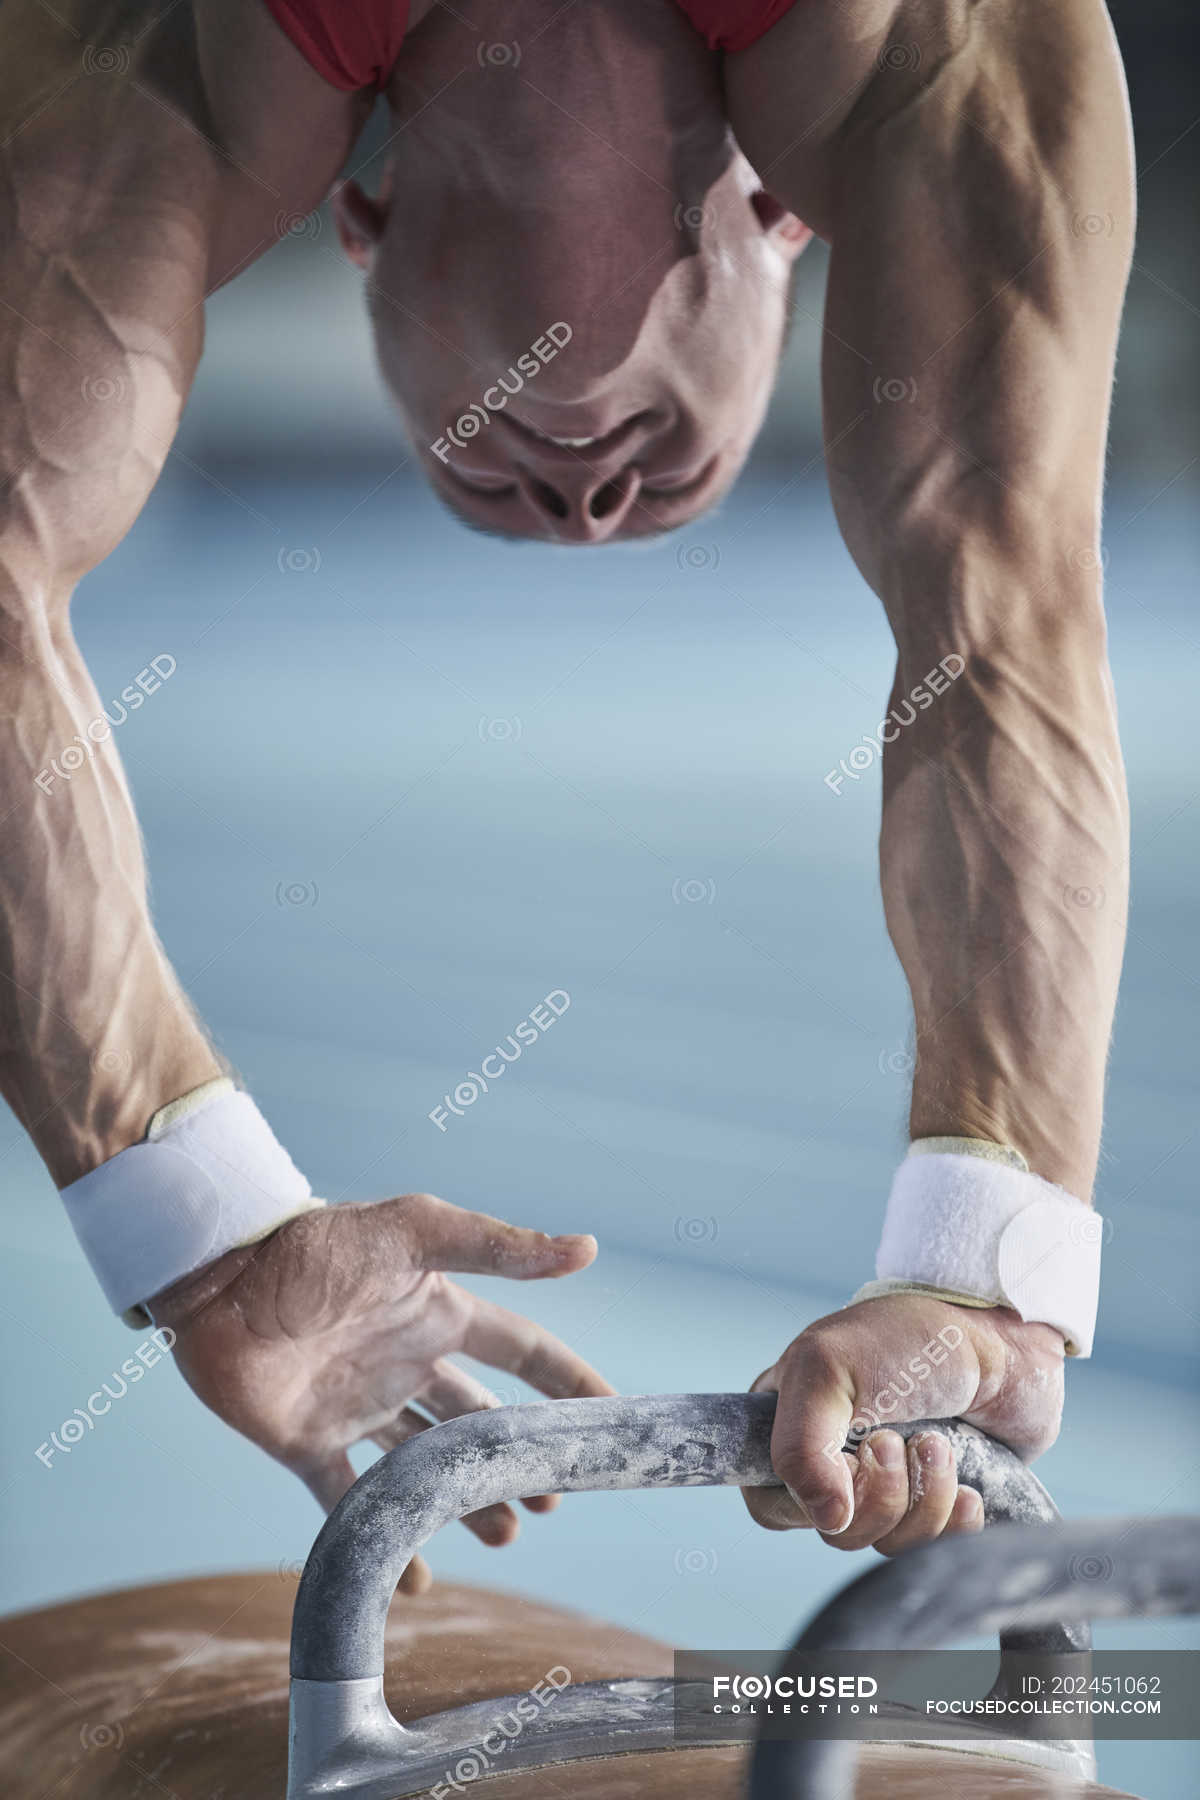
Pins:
x: 980, y: 210
x: 101, y: 326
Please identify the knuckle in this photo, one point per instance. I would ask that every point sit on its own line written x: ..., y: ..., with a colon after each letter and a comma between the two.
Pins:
x: 789, y: 1463
x: 815, y: 1352
x: 414, y: 1216
x: 419, y: 1202
x: 882, y: 1506
x: 1045, y: 1431
x: 883, y: 1487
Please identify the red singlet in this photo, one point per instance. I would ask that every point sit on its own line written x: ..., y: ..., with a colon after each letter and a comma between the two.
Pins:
x: 355, y: 43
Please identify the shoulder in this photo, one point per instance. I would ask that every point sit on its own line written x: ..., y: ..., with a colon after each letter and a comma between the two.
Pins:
x: 825, y: 73
x: 283, y: 131
x: 102, y: 115
x: 108, y: 189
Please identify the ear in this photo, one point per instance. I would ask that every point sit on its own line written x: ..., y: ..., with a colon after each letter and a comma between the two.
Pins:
x: 360, y: 220
x: 790, y: 234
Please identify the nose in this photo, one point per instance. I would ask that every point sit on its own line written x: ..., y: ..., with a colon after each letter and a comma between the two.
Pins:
x: 577, y: 504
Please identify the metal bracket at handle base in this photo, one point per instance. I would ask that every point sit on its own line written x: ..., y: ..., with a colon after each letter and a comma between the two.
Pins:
x: 344, y: 1740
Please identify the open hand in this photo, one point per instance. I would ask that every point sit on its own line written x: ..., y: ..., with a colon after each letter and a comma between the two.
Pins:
x: 900, y: 1357
x: 338, y: 1327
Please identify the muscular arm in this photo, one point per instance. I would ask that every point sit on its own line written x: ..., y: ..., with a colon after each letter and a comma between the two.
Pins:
x: 341, y: 1323
x: 131, y: 182
x: 975, y: 183
x: 100, y: 330
x: 970, y: 165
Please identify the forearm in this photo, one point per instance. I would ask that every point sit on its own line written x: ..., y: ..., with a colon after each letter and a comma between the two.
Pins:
x: 982, y: 223
x: 95, y: 1031
x: 1004, y: 856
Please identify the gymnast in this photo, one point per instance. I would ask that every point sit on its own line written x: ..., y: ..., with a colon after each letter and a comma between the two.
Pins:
x: 577, y: 261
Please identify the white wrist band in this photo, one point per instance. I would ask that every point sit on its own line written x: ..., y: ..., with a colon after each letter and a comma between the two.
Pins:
x: 983, y: 1231
x: 209, y: 1176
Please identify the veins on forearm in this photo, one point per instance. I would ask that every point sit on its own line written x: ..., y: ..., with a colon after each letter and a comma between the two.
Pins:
x: 1004, y: 868
x: 94, y: 1031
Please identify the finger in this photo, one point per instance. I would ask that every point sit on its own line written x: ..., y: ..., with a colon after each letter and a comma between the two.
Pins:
x: 816, y: 1406
x: 416, y: 1579
x: 968, y: 1512
x: 329, y: 1480
x: 494, y: 1525
x: 932, y: 1492
x: 405, y: 1425
x: 451, y: 1391
x: 881, y: 1491
x: 775, y: 1510
x: 506, y: 1341
x: 436, y: 1235
x: 773, y: 1507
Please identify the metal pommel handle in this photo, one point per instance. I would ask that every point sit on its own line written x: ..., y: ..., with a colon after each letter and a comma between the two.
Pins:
x: 344, y: 1739
x: 556, y: 1446
x: 508, y: 1453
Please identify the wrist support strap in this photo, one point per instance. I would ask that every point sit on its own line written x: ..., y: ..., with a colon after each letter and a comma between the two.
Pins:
x: 974, y: 1226
x: 208, y: 1177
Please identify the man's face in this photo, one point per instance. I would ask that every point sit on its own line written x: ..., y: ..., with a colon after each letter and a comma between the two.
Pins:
x: 583, y: 379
